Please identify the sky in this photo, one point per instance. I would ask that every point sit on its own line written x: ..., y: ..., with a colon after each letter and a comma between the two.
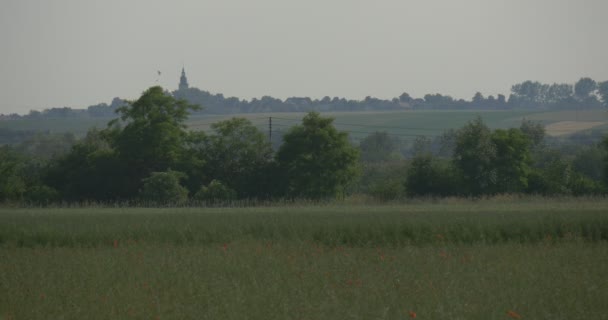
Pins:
x: 77, y: 53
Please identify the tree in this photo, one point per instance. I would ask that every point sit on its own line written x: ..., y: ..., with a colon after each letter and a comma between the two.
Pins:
x: 12, y: 184
x: 405, y: 98
x: 164, y: 188
x: 379, y: 146
x: 154, y: 135
x: 535, y: 131
x: 429, y: 176
x: 584, y: 87
x: 90, y: 171
x: 474, y: 154
x: 478, y: 99
x: 602, y: 89
x: 512, y: 162
x: 215, y: 191
x: 605, y: 175
x: 317, y: 160
x: 239, y: 155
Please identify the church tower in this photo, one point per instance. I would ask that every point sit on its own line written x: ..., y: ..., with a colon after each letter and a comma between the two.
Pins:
x: 183, y: 81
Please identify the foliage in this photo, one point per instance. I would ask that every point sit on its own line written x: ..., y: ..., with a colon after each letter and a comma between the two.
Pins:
x: 163, y: 188
x: 474, y: 156
x: 20, y: 175
x: 428, y: 176
x: 605, y: 174
x: 92, y: 170
x: 602, y: 89
x: 47, y: 146
x: 512, y: 160
x: 535, y: 131
x: 238, y: 154
x: 552, y: 179
x: 584, y: 87
x: 154, y: 135
x: 42, y: 195
x: 317, y: 159
x: 379, y: 146
x: 588, y: 161
x: 215, y: 191
x: 12, y: 184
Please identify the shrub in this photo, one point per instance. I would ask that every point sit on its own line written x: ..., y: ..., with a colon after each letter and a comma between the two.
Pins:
x: 387, y: 189
x: 164, y: 188
x: 215, y: 191
x: 41, y: 195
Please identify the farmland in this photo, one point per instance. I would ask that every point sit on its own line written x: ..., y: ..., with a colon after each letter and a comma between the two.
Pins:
x: 400, y: 123
x: 447, y: 259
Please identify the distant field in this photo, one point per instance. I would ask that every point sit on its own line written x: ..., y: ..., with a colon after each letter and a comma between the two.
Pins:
x: 404, y: 124
x: 533, y: 259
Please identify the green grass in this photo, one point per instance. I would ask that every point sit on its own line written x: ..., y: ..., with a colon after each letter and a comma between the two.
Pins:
x: 454, y: 259
x: 484, y: 222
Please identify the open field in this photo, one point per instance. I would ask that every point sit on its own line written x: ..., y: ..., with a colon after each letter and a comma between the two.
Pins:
x: 537, y: 259
x: 567, y: 127
x: 405, y: 124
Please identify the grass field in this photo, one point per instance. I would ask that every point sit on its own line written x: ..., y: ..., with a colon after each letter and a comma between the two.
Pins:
x: 405, y: 124
x: 454, y: 259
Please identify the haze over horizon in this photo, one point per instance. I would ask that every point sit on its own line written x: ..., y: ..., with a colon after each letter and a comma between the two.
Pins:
x: 78, y: 53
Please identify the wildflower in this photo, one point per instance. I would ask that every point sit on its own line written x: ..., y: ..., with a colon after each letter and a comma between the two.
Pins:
x: 412, y: 314
x: 115, y: 243
x: 513, y: 314
x: 225, y: 246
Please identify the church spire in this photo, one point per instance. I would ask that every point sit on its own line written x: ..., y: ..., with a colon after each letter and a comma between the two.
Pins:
x: 183, y: 81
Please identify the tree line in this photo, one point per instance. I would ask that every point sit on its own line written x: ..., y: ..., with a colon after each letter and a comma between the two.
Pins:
x: 148, y: 156
x: 586, y: 93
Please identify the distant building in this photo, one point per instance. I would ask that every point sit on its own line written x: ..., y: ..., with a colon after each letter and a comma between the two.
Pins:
x: 183, y: 81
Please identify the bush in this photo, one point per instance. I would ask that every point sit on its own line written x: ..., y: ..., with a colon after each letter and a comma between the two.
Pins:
x: 41, y: 195
x: 387, y: 190
x: 164, y: 188
x: 428, y: 176
x: 215, y: 191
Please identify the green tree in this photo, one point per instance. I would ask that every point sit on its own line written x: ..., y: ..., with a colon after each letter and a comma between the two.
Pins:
x: 12, y: 183
x: 584, y: 87
x: 379, y: 146
x: 164, y: 188
x: 588, y: 161
x: 605, y: 174
x: 428, y: 176
x: 238, y: 154
x: 512, y: 162
x: 551, y: 179
x: 535, y: 131
x: 602, y: 90
x: 215, y: 191
x: 154, y: 136
x: 474, y: 154
x: 90, y: 171
x: 318, y: 161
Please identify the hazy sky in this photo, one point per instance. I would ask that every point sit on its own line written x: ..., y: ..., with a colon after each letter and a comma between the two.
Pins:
x: 80, y: 52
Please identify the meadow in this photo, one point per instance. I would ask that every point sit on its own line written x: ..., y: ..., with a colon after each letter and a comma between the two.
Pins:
x: 446, y: 259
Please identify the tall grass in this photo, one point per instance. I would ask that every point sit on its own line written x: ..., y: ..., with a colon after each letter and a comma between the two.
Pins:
x: 481, y: 222
x: 444, y: 259
x: 258, y: 280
